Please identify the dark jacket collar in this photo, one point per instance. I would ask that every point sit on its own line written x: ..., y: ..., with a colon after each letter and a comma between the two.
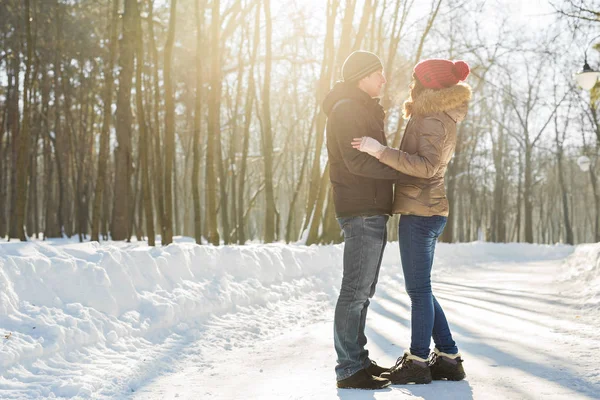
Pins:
x: 343, y: 90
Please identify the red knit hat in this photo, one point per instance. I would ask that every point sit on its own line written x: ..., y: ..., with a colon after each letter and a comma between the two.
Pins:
x: 439, y: 74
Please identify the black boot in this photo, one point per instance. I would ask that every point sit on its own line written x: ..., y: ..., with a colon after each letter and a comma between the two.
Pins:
x: 363, y: 380
x: 446, y: 366
x: 375, y: 369
x: 409, y: 369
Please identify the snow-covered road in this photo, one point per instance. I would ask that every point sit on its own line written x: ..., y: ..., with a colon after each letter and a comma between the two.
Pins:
x: 255, y: 322
x: 517, y: 328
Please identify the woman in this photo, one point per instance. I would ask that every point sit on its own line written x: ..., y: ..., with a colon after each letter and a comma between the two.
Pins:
x: 438, y: 101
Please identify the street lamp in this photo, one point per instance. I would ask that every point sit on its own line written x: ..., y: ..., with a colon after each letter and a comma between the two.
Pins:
x: 587, y: 77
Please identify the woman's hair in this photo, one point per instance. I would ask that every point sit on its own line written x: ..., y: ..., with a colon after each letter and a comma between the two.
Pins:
x: 416, y: 88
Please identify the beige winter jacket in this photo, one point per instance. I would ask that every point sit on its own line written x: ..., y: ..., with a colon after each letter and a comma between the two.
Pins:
x: 426, y: 149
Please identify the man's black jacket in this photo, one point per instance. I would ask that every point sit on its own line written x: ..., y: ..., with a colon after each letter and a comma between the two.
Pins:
x: 361, y: 184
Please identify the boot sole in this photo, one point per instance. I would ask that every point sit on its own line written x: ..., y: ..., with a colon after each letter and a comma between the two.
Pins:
x: 383, y: 386
x: 412, y: 381
x: 450, y: 378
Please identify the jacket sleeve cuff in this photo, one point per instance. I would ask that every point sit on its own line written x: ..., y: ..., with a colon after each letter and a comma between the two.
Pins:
x: 388, y: 156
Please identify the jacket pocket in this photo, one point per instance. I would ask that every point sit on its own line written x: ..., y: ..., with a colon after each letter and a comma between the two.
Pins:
x: 411, y: 191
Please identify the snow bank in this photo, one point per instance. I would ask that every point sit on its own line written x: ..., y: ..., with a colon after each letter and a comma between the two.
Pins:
x: 582, y: 270
x: 62, y: 297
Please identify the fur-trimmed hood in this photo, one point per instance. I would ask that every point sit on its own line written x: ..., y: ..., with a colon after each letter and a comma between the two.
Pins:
x: 453, y: 101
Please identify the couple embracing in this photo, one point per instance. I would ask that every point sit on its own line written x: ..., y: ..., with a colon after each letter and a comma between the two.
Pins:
x: 363, y: 173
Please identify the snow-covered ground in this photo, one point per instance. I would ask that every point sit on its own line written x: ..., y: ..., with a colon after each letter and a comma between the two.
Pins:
x: 125, y: 321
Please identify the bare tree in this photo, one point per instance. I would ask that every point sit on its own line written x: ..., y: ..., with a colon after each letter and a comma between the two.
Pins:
x: 213, y: 126
x: 267, y: 141
x: 167, y: 237
x: 123, y: 154
x: 559, y: 137
x: 199, y: 11
x: 106, y: 121
x: 143, y: 140
x: 22, y: 162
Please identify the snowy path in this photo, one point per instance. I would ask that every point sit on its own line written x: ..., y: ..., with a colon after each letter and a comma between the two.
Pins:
x: 516, y: 326
x: 125, y: 321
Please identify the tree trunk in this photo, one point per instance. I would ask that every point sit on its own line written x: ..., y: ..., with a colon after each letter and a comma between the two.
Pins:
x: 46, y: 192
x: 169, y: 128
x: 51, y: 220
x: 569, y: 239
x: 519, y: 201
x: 32, y: 176
x: 199, y: 9
x: 3, y: 165
x: 222, y: 186
x: 158, y: 164
x: 315, y: 218
x: 24, y: 138
x: 267, y: 133
x: 233, y: 139
x: 499, y: 213
x: 176, y: 190
x: 288, y: 233
x: 528, y: 194
x: 396, y: 35
x: 435, y: 8
x: 368, y: 10
x: 141, y: 116
x: 70, y: 169
x: 32, y: 201
x: 135, y: 195
x: 108, y: 195
x: 123, y: 155
x: 87, y: 174
x: 593, y: 175
x: 454, y: 168
x: 322, y: 88
x: 213, y: 127
x: 107, y: 113
x: 241, y: 228
x: 596, y: 193
x: 331, y: 229
x: 14, y: 128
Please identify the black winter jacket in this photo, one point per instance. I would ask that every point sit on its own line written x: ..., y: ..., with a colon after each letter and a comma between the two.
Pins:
x: 361, y: 184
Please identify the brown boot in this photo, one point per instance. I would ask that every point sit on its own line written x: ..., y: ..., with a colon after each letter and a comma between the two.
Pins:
x: 446, y: 366
x: 375, y: 369
x: 409, y: 369
x: 363, y: 380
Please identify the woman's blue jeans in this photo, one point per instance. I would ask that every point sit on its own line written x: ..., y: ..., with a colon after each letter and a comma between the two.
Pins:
x: 417, y: 238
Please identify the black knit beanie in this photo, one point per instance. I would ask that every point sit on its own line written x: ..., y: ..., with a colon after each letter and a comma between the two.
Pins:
x: 360, y: 64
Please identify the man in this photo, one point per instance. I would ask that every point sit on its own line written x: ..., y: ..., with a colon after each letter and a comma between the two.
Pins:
x: 363, y: 195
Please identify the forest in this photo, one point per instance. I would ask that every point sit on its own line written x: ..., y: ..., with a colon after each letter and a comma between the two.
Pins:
x: 149, y: 119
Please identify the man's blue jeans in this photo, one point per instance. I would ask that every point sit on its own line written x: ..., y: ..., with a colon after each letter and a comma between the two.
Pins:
x: 364, y: 241
x: 417, y: 237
